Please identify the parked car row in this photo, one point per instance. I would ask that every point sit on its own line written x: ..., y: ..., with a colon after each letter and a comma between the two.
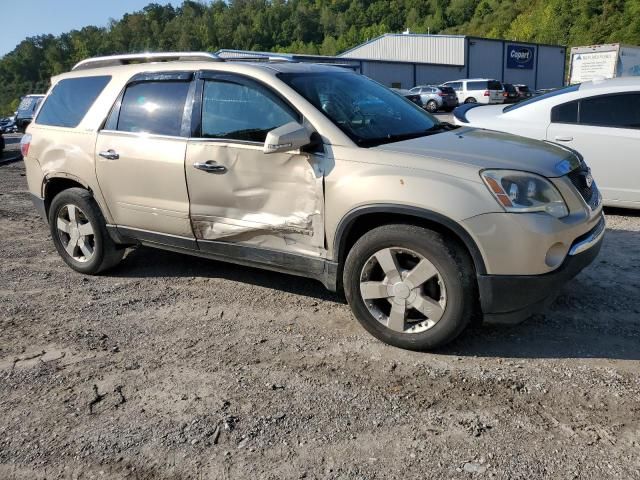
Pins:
x: 449, y: 95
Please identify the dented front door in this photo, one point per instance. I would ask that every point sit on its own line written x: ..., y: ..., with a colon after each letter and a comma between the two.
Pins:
x: 239, y: 194
x: 274, y: 201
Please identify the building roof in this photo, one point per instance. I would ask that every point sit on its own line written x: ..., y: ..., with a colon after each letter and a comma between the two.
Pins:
x: 414, y: 48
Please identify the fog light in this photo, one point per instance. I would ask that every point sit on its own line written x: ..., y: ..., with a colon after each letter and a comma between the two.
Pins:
x: 556, y: 254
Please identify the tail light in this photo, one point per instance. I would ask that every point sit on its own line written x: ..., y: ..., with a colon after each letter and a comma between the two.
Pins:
x: 486, y: 93
x: 442, y: 94
x: 505, y: 94
x: 25, y: 142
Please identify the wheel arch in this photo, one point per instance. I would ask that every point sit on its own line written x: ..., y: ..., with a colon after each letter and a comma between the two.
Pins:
x: 52, y: 185
x: 362, y: 219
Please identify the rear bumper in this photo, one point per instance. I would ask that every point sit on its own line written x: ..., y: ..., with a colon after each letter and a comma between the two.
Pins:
x: 513, y: 298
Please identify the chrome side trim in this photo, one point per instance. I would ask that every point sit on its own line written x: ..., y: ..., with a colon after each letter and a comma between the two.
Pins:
x: 592, y: 238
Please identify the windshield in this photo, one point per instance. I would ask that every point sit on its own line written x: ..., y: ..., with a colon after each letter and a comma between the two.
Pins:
x: 367, y: 112
x: 560, y: 91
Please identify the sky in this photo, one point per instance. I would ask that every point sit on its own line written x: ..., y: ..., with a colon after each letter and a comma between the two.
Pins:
x: 28, y: 18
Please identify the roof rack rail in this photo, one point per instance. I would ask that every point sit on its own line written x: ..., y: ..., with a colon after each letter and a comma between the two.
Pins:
x: 112, y: 60
x: 257, y: 58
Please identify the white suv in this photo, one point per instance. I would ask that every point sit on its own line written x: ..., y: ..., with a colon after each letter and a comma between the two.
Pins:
x: 478, y: 90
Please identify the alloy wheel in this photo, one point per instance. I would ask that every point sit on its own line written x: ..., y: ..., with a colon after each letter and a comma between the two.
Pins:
x: 403, y: 290
x: 76, y: 233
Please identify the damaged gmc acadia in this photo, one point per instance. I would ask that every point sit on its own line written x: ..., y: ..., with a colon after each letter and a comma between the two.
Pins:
x: 314, y: 171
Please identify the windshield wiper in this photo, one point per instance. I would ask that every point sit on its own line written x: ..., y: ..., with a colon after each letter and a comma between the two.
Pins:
x: 442, y: 126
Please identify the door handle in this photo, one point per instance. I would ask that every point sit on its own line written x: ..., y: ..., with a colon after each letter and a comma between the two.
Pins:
x: 564, y: 139
x: 109, y: 155
x: 210, y: 166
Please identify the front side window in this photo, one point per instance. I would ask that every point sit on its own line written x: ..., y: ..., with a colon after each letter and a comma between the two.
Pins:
x: 70, y: 100
x: 618, y: 111
x: 455, y: 85
x: 367, y: 112
x: 240, y: 111
x: 154, y: 107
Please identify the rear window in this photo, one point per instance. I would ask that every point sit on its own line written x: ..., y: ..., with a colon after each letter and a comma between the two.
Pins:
x: 70, y: 101
x: 495, y: 85
x: 28, y: 105
x: 447, y: 90
x: 523, y: 88
x: 509, y: 88
x: 560, y: 91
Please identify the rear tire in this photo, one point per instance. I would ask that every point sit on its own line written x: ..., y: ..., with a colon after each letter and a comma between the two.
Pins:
x: 80, y: 234
x: 471, y: 100
x: 397, y: 310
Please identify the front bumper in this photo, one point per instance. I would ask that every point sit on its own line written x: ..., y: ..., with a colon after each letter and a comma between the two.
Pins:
x: 513, y: 298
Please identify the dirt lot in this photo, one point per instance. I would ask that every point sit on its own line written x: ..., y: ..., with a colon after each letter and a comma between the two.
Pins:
x: 176, y: 367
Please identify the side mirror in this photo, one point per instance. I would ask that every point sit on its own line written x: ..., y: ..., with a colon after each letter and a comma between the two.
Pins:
x: 291, y: 136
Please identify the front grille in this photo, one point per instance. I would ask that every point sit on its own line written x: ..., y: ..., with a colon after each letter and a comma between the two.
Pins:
x: 590, y: 193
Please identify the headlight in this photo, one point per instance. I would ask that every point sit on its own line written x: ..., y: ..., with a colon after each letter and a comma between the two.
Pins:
x: 521, y: 192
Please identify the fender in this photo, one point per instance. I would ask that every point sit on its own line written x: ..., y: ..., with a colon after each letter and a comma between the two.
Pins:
x: 342, y: 232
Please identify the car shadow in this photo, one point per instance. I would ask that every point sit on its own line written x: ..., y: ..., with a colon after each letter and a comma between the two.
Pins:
x: 596, y: 315
x: 146, y: 262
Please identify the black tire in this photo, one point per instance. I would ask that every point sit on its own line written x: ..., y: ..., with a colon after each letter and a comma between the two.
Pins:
x: 432, y: 106
x: 455, y: 270
x: 106, y: 254
x: 471, y: 100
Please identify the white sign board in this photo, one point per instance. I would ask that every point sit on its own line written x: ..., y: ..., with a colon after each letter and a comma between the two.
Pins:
x: 587, y: 66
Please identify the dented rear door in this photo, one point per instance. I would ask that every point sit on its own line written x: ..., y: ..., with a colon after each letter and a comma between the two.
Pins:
x: 239, y: 194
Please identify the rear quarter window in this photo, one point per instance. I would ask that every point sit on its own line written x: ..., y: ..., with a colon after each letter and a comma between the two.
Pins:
x: 477, y: 85
x: 70, y: 100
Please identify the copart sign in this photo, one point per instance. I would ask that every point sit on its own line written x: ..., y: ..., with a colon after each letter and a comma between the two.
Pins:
x: 520, y: 56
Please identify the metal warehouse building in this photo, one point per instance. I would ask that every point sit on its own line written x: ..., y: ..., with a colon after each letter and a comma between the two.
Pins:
x: 406, y: 60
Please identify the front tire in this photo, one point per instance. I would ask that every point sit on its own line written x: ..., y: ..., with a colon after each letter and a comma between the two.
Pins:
x: 80, y: 234
x: 432, y: 106
x: 409, y: 287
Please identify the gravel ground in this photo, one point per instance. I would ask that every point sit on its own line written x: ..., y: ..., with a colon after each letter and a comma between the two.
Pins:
x: 177, y: 367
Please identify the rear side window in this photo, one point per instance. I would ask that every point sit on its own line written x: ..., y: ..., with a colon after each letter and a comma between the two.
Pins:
x: 241, y: 112
x: 153, y: 107
x: 70, y: 101
x: 477, y: 85
x: 618, y: 111
x: 565, y: 113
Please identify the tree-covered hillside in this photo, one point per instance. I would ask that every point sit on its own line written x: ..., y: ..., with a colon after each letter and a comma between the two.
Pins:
x: 312, y: 26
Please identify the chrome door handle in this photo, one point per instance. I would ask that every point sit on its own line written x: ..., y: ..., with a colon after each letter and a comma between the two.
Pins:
x: 109, y: 155
x: 210, y: 166
x: 564, y: 139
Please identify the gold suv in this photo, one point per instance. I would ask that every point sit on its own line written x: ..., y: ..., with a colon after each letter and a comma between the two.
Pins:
x: 315, y: 171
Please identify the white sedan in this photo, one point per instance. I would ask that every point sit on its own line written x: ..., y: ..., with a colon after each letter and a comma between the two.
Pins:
x: 599, y: 119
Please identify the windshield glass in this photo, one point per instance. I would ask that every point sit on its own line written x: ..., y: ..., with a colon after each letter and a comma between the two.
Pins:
x: 560, y: 91
x: 367, y: 112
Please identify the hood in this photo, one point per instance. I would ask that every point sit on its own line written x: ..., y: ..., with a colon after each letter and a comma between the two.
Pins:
x: 486, y: 149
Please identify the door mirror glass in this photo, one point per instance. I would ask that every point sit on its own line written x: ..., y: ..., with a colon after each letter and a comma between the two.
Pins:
x: 290, y: 136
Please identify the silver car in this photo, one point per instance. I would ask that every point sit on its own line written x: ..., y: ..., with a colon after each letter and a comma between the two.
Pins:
x: 436, y: 97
